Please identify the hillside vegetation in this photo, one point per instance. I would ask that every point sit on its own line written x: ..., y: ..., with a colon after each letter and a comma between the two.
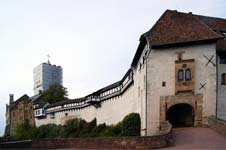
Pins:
x: 129, y: 126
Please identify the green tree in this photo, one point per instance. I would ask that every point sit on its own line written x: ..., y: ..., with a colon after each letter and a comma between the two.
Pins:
x: 55, y: 93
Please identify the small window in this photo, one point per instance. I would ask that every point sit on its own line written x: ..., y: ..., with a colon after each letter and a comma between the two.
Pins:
x: 224, y: 34
x: 188, y: 74
x: 163, y: 84
x: 179, y: 56
x: 66, y: 114
x: 180, y: 74
x: 223, y: 59
x: 223, y: 79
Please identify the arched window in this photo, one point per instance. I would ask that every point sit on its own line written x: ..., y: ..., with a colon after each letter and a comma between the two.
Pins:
x: 180, y: 74
x: 188, y: 74
x: 223, y: 79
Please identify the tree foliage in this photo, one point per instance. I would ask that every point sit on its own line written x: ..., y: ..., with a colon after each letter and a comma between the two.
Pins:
x: 47, y: 131
x: 24, y: 131
x: 131, y: 125
x: 55, y: 93
x: 98, y: 130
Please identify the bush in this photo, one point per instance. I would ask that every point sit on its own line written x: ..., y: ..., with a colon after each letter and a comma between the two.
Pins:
x: 117, y: 129
x: 78, y: 128
x: 88, y: 127
x: 47, y: 131
x: 98, y: 130
x: 112, y: 131
x: 70, y: 129
x: 131, y: 125
x: 24, y: 131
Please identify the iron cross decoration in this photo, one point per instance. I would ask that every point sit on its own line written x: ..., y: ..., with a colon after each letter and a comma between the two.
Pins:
x: 202, y: 86
x: 210, y: 60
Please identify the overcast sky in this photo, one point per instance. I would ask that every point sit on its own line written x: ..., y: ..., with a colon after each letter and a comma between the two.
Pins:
x: 94, y: 41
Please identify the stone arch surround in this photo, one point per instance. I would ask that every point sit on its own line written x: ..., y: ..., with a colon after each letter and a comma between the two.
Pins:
x: 194, y: 100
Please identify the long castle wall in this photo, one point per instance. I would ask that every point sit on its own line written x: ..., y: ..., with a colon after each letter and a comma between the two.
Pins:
x: 112, y: 110
x: 143, y: 96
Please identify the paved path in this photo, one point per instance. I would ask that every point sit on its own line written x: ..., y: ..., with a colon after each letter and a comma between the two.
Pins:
x: 197, y: 138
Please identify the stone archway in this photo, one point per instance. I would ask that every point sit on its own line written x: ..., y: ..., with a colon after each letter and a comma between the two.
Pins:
x: 181, y: 115
x: 190, y: 102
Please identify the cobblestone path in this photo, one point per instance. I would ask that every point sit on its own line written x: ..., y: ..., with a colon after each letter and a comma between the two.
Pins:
x: 197, y: 138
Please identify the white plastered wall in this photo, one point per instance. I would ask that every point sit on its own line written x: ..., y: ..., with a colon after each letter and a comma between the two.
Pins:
x: 221, y: 91
x: 161, y: 67
x: 112, y: 110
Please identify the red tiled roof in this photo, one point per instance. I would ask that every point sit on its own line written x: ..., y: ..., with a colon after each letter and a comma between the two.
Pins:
x: 176, y: 27
x: 217, y: 24
x: 221, y: 45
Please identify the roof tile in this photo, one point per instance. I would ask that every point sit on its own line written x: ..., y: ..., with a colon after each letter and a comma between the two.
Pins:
x: 176, y: 27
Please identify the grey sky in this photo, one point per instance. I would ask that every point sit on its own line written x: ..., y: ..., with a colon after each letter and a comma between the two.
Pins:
x: 94, y: 41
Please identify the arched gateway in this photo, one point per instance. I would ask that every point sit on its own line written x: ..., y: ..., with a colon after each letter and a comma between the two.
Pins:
x: 181, y: 115
x: 182, y: 110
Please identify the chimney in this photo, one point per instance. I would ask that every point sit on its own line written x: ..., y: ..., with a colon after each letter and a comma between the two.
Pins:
x: 11, y: 99
x: 190, y: 13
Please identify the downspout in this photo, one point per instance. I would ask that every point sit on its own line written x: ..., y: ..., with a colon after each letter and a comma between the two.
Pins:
x: 216, y: 85
x: 146, y: 99
x: 146, y: 95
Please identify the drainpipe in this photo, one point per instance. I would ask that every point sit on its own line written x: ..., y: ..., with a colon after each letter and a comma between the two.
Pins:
x: 146, y: 98
x: 216, y: 86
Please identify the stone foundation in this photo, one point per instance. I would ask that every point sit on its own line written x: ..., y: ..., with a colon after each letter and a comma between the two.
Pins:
x: 146, y: 142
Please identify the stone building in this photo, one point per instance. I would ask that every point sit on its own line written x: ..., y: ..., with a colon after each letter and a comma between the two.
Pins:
x: 17, y: 112
x: 46, y: 74
x: 178, y: 74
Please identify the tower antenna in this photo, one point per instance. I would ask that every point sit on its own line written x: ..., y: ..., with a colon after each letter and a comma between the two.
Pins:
x: 48, y: 56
